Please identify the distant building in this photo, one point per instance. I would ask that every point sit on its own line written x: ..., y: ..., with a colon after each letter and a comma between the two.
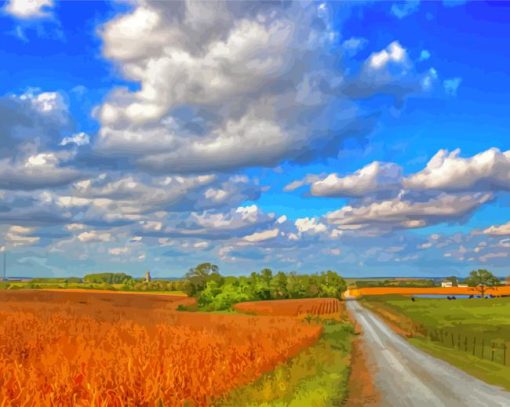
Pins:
x: 147, y: 276
x: 446, y: 284
x: 463, y: 285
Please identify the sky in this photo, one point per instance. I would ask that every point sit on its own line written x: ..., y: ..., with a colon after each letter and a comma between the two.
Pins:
x: 369, y: 138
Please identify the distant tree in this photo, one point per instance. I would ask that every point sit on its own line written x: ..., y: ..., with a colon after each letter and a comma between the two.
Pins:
x: 109, y: 278
x: 481, y: 280
x: 279, y: 286
x: 198, y: 277
x: 332, y: 285
x: 293, y: 285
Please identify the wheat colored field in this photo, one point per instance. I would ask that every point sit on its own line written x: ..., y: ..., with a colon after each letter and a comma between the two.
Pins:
x: 357, y: 292
x: 93, y: 349
x: 329, y: 308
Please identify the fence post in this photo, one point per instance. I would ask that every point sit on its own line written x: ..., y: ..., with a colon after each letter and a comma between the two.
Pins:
x: 453, y: 341
x: 474, y: 345
x: 483, y: 346
x: 492, y: 351
x: 504, y: 353
x: 465, y: 343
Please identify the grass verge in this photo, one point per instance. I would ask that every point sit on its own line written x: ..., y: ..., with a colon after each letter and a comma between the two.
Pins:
x: 317, y: 377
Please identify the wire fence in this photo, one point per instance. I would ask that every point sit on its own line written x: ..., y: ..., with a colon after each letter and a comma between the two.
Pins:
x: 495, y: 350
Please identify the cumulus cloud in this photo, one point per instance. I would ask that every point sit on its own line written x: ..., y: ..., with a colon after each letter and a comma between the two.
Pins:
x: 36, y: 171
x: 403, y: 213
x: 242, y: 87
x: 310, y: 225
x: 29, y: 9
x: 31, y: 118
x: 498, y: 230
x: 393, y: 53
x: 94, y: 236
x: 240, y: 75
x: 390, y: 71
x: 374, y: 177
x: 79, y: 139
x: 262, y: 236
x: 447, y: 171
x: 20, y: 236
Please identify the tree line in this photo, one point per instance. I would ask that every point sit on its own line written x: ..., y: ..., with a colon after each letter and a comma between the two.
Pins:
x: 216, y: 292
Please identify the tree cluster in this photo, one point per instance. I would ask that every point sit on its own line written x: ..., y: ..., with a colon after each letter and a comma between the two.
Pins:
x: 109, y: 278
x: 216, y: 292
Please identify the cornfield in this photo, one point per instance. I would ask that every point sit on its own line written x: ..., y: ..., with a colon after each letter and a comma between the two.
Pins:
x: 326, y: 308
x: 88, y: 349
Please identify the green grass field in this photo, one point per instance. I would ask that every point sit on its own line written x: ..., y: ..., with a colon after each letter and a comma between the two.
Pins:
x: 28, y: 285
x: 469, y: 333
x: 318, y: 376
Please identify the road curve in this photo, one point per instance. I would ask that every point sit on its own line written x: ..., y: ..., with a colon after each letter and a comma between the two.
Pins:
x: 406, y: 376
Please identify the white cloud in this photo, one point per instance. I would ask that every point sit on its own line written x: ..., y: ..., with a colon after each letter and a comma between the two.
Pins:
x: 241, y: 65
x: 262, y: 236
x: 201, y: 245
x: 94, y: 236
x: 243, y: 87
x: 20, y: 236
x: 37, y: 170
x: 80, y: 139
x: 498, y: 230
x: 394, y: 53
x: 72, y: 227
x: 372, y: 178
x: 292, y: 186
x: 27, y: 9
x: 402, y: 212
x: 46, y: 103
x: 447, y: 171
x: 310, y: 225
x: 118, y: 251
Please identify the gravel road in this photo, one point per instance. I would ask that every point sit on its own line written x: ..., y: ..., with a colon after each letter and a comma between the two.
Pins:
x: 406, y: 376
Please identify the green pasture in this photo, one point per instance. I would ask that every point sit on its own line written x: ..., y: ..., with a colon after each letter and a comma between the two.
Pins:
x: 472, y: 334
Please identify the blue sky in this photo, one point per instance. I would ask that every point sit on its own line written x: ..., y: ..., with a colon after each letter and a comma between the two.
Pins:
x: 366, y: 137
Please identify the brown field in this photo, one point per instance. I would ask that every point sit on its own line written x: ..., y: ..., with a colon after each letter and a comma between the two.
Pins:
x: 329, y: 308
x: 357, y: 292
x: 103, y: 349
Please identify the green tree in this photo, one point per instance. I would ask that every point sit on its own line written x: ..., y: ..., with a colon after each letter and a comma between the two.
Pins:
x: 332, y: 285
x: 198, y: 277
x: 109, y: 278
x: 297, y: 285
x: 279, y: 286
x: 481, y: 280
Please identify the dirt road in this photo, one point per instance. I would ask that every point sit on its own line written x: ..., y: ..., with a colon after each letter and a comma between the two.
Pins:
x: 406, y: 376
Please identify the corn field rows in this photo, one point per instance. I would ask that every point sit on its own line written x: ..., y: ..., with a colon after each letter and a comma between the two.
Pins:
x: 94, y: 353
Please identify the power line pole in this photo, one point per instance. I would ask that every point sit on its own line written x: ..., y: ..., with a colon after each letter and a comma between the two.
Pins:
x: 5, y: 266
